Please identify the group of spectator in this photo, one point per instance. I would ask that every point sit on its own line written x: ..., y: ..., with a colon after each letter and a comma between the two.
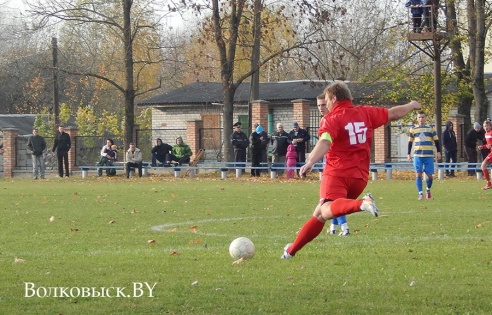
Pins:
x: 180, y: 153
x: 163, y: 154
x: 424, y: 14
x: 287, y: 148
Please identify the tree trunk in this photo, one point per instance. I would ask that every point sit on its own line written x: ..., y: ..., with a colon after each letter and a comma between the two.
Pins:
x: 228, y: 121
x: 478, y: 68
x: 129, y: 89
x: 462, y: 69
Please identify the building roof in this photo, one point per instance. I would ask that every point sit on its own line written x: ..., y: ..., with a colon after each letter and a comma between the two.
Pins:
x: 22, y: 122
x: 286, y: 91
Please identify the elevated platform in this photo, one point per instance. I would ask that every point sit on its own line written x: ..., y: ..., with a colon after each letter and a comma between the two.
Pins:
x: 424, y: 36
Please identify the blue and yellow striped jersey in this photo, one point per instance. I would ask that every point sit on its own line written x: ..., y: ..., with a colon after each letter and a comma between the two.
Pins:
x: 423, y: 138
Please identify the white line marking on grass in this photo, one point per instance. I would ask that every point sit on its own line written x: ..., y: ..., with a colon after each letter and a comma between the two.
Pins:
x: 168, y: 226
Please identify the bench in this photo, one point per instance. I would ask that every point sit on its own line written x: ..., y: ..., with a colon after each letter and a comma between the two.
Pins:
x: 408, y: 166
x: 120, y: 166
x: 460, y: 166
x: 317, y: 167
x: 388, y: 168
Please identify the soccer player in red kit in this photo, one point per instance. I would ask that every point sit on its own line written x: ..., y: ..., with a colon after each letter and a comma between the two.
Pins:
x: 487, y: 126
x: 345, y: 137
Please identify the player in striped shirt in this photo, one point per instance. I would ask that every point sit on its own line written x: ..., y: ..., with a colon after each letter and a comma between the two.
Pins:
x: 424, y: 137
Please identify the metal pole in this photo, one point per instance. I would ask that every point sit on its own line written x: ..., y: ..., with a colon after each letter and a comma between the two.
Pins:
x: 56, y: 101
x: 437, y: 88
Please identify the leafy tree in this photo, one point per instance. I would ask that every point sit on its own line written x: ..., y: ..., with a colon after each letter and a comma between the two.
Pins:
x: 44, y: 123
x: 86, y: 121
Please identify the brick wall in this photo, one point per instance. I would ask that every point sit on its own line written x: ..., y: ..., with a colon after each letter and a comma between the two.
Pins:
x: 300, y: 112
x: 259, y: 113
x: 9, y: 137
x: 381, y: 139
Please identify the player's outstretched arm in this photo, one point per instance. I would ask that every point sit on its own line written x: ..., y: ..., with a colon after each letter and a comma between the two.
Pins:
x: 320, y: 149
x: 398, y: 112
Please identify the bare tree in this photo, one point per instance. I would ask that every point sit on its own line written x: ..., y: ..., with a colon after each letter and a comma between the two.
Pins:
x: 227, y: 17
x: 479, y: 16
x: 125, y: 22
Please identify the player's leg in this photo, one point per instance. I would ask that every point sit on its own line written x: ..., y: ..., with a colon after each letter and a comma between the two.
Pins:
x: 429, y: 172
x: 344, y: 230
x: 308, y: 232
x: 333, y: 226
x: 418, y: 166
x: 336, y: 189
x: 485, y: 164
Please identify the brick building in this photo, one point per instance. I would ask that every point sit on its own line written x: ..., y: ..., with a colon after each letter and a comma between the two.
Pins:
x: 198, y: 107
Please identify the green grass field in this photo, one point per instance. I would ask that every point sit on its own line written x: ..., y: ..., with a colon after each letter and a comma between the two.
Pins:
x: 418, y: 257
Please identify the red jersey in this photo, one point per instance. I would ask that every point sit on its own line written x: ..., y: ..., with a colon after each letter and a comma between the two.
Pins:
x: 488, y: 138
x: 351, y: 130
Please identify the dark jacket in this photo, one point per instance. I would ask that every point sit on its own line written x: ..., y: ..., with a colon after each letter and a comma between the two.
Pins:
x: 62, y: 143
x: 471, y: 138
x: 161, y: 150
x: 304, y: 135
x: 280, y: 142
x: 449, y: 138
x: 239, y: 140
x: 36, y: 144
x: 256, y: 142
x: 416, y: 11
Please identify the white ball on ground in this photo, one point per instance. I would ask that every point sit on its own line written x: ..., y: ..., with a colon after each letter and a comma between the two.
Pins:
x: 242, y: 247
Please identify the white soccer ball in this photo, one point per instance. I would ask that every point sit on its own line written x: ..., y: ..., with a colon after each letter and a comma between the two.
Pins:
x: 242, y: 247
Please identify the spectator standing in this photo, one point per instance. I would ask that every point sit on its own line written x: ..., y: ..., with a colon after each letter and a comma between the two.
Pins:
x: 62, y: 145
x: 180, y: 153
x: 37, y: 145
x: 280, y: 141
x: 434, y: 14
x: 259, y: 144
x: 423, y: 136
x: 133, y: 159
x: 299, y: 138
x: 240, y: 143
x: 416, y: 10
x: 471, y: 138
x: 450, y: 149
x: 160, y: 152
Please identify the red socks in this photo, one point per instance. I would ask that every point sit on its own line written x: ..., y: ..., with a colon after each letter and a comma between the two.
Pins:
x: 313, y: 226
x: 486, y: 175
x: 341, y: 206
x: 308, y: 232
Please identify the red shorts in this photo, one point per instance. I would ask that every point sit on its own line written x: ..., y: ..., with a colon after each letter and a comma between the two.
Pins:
x: 489, y: 158
x: 333, y: 187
